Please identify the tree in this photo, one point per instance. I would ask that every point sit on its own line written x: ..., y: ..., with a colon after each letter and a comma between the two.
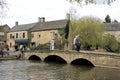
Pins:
x: 110, y: 43
x: 115, y: 21
x: 93, y: 1
x: 107, y: 19
x: 90, y: 30
x: 2, y: 4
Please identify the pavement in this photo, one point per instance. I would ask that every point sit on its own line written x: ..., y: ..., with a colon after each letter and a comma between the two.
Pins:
x: 11, y: 53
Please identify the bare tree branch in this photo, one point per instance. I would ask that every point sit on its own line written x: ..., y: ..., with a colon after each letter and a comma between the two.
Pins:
x: 93, y: 1
x: 2, y: 4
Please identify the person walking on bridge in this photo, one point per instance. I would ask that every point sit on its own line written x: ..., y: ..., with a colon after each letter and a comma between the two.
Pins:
x: 77, y: 43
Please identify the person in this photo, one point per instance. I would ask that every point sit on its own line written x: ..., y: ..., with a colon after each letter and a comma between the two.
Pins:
x: 77, y: 43
x: 16, y: 47
x: 1, y: 50
x: 74, y: 46
x: 21, y: 47
x: 6, y: 49
x: 52, y: 42
x: 24, y: 47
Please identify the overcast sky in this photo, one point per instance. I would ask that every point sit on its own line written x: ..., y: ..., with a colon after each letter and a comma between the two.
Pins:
x: 28, y: 11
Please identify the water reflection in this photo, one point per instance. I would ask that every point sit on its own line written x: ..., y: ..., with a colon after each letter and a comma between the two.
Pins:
x: 36, y: 70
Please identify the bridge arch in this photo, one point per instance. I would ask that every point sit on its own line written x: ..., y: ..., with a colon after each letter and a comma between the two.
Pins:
x: 34, y: 57
x: 82, y: 61
x: 54, y: 58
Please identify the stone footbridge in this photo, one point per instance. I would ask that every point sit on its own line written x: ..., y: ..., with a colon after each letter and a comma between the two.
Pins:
x: 102, y: 59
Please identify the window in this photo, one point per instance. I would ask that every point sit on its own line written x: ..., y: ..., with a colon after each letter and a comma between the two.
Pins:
x: 16, y: 35
x: 38, y: 35
x: 11, y: 36
x: 23, y: 35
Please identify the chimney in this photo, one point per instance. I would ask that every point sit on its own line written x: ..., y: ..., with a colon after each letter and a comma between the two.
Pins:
x: 68, y: 16
x: 16, y: 23
x: 41, y: 19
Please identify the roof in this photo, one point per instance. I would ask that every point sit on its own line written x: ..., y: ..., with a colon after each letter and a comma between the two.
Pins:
x: 23, y: 27
x: 112, y: 26
x: 5, y: 25
x: 50, y: 25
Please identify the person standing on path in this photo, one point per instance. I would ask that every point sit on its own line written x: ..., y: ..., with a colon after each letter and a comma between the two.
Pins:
x: 74, y: 46
x: 6, y: 48
x: 52, y: 44
x: 1, y: 50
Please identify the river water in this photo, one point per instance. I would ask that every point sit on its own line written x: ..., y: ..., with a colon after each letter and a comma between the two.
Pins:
x: 36, y: 70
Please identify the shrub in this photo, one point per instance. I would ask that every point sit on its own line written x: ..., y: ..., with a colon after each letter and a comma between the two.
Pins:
x: 110, y: 43
x: 41, y: 47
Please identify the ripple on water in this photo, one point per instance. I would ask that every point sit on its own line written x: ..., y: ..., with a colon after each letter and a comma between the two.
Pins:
x: 36, y: 70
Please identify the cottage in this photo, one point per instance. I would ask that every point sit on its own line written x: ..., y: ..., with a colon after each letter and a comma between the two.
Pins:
x: 19, y: 34
x: 43, y: 32
x: 4, y: 29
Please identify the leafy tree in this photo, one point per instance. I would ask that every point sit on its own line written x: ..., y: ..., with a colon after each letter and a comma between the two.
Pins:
x: 90, y: 30
x: 64, y: 32
x: 107, y: 19
x: 93, y: 1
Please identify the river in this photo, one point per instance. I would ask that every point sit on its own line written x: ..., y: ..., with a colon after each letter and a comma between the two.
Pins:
x: 36, y: 70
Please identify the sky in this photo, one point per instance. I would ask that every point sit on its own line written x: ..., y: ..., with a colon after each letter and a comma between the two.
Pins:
x: 28, y: 11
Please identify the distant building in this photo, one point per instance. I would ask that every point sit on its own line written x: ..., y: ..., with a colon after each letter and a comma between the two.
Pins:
x: 113, y: 29
x: 4, y: 29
